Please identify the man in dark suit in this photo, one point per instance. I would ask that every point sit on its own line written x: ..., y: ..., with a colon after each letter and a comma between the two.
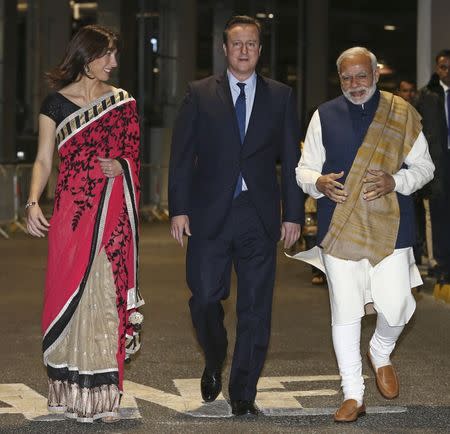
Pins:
x: 223, y: 193
x: 433, y: 103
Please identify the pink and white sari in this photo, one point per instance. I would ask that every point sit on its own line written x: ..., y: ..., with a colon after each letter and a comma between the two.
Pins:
x: 91, y: 284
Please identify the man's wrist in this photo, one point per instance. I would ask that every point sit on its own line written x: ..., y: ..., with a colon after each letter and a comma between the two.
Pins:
x: 395, y: 179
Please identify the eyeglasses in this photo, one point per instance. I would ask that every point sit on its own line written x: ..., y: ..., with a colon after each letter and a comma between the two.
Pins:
x: 444, y: 67
x: 358, y: 78
x: 249, y: 45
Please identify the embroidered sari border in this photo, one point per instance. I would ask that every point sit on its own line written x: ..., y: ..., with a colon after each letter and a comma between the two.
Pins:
x: 134, y: 299
x: 83, y: 379
x: 101, y: 227
x: 87, y: 114
x: 76, y: 369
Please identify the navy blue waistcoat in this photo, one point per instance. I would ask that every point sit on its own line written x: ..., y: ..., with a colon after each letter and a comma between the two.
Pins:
x: 344, y: 126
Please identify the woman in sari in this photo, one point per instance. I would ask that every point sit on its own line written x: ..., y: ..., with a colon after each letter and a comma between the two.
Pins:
x: 90, y: 323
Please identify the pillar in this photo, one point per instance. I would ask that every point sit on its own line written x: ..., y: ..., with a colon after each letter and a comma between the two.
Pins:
x: 433, y: 34
x: 316, y: 53
x: 8, y: 66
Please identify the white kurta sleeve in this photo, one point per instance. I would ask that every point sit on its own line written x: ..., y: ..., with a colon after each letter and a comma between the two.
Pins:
x: 313, y: 157
x: 420, y: 168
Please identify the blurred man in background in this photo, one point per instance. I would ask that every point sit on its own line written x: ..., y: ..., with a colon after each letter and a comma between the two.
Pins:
x: 433, y: 103
x: 407, y: 89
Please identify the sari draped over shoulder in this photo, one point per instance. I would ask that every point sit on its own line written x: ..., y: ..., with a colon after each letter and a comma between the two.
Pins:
x: 91, y: 283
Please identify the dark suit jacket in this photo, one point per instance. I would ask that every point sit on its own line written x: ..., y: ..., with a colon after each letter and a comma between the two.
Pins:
x: 430, y: 104
x: 207, y: 156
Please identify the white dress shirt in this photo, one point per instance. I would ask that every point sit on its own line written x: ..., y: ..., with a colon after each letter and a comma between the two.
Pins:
x: 408, y: 180
x: 249, y: 89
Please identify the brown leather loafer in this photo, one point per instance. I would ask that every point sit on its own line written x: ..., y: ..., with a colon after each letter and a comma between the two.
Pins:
x: 387, y: 379
x: 349, y: 411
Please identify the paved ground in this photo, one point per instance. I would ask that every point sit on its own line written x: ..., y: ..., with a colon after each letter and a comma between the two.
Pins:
x: 299, y: 390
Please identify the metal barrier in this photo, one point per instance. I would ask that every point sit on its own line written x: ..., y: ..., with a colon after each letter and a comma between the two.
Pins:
x: 14, y: 186
x: 154, y: 180
x: 7, y: 197
x: 23, y: 175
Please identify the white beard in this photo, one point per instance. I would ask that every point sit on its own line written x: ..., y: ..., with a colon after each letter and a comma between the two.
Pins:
x: 358, y: 101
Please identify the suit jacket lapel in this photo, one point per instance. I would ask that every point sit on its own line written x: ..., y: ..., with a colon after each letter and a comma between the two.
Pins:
x: 258, y: 118
x: 224, y: 92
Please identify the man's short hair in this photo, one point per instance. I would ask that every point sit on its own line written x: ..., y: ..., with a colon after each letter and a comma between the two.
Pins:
x: 442, y: 53
x: 241, y: 19
x: 356, y: 51
x: 406, y: 80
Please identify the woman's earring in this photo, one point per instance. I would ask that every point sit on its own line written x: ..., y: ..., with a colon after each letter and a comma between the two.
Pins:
x: 87, y: 70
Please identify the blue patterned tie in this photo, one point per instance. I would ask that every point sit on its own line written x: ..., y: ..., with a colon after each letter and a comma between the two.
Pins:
x: 240, y: 115
x: 448, y: 118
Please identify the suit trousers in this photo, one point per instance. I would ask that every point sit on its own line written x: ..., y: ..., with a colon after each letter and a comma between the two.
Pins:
x: 440, y: 210
x: 245, y: 244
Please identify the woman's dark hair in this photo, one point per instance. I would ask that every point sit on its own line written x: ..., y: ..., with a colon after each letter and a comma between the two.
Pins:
x: 88, y: 44
x: 240, y: 19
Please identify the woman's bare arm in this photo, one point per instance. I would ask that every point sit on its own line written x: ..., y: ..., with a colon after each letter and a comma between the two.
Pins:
x: 37, y: 224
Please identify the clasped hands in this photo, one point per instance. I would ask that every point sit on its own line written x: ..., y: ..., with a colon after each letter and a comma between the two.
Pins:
x: 377, y: 183
x: 179, y: 225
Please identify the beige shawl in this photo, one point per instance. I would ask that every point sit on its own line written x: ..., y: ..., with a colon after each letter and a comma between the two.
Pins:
x: 368, y: 229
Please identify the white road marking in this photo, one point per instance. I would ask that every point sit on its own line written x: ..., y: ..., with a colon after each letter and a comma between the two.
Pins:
x: 329, y: 411
x: 23, y: 400
x: 273, y: 399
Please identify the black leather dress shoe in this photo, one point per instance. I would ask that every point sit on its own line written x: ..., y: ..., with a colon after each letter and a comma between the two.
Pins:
x: 244, y: 408
x: 211, y: 385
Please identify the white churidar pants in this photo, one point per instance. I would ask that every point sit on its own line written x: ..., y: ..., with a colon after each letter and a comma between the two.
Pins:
x: 354, y: 284
x: 346, y: 343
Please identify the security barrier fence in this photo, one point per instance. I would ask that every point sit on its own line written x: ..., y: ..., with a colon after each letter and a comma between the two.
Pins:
x: 7, y: 196
x: 15, y: 183
x: 154, y: 180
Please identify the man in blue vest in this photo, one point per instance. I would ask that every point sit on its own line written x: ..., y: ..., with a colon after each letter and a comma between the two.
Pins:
x: 364, y: 155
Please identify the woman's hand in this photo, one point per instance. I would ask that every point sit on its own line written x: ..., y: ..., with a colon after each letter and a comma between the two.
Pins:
x: 37, y: 224
x: 110, y: 167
